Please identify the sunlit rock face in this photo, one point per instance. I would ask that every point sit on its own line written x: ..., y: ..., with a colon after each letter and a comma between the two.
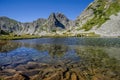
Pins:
x: 56, y: 21
x: 101, y: 17
x: 8, y: 25
x: 12, y: 26
x: 111, y: 27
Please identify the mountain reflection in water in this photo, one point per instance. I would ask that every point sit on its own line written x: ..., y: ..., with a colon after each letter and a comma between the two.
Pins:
x: 86, y: 57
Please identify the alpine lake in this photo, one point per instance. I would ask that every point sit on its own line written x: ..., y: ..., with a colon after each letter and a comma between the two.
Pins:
x: 60, y: 59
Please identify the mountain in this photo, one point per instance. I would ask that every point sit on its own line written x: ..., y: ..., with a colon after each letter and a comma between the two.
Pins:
x: 55, y: 22
x: 8, y: 25
x: 101, y: 17
x: 32, y: 27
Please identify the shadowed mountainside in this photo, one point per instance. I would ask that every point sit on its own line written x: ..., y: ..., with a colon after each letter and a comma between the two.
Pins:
x: 56, y: 21
x: 101, y: 17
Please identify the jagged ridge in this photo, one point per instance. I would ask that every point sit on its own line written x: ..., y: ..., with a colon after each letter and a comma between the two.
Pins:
x: 100, y: 17
x: 56, y: 21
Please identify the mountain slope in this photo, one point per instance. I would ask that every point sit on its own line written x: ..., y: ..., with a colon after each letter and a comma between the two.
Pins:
x: 110, y: 28
x: 8, y: 25
x: 99, y: 14
x: 55, y: 22
x: 101, y: 17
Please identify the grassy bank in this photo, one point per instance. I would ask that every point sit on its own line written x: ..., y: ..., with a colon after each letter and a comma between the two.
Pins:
x: 101, y: 14
x: 14, y: 37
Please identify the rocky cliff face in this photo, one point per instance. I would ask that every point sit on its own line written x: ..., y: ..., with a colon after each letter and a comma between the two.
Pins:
x: 32, y: 28
x: 101, y: 17
x: 53, y: 23
x: 8, y: 25
x: 110, y: 27
x: 56, y: 21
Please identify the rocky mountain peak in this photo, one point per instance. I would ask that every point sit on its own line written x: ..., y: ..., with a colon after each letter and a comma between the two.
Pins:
x: 54, y: 23
x: 95, y: 18
x: 52, y: 17
x: 61, y: 17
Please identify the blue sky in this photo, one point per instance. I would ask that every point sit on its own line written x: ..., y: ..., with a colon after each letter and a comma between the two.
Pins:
x: 29, y: 10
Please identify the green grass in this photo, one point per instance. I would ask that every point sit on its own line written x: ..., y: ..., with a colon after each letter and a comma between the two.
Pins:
x: 14, y: 37
x: 91, y: 34
x: 101, y: 16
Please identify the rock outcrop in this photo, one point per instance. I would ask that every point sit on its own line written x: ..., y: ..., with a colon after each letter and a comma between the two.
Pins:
x: 56, y: 21
x: 8, y: 25
x: 110, y: 27
x: 101, y: 17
